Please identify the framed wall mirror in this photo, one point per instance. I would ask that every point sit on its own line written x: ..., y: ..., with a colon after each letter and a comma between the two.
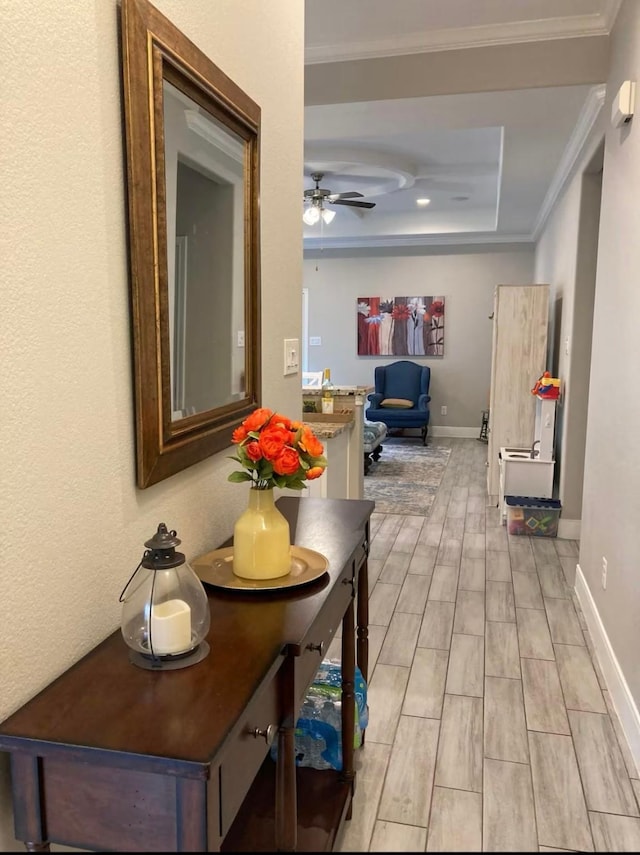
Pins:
x: 193, y: 142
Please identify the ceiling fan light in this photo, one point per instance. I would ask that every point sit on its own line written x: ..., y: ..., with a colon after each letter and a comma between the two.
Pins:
x: 311, y: 216
x: 328, y: 216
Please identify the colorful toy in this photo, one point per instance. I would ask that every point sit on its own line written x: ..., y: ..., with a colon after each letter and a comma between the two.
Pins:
x: 547, y: 387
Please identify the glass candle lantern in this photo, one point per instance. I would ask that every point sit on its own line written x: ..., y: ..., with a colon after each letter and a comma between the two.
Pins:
x: 165, y: 610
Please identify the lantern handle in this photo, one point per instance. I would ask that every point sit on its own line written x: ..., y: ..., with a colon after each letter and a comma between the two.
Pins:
x: 124, y: 590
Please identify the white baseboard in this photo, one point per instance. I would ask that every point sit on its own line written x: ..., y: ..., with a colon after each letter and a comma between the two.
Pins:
x: 619, y: 691
x: 569, y: 529
x: 444, y: 430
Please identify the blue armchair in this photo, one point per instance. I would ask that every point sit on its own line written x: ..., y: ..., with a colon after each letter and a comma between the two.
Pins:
x: 401, y: 397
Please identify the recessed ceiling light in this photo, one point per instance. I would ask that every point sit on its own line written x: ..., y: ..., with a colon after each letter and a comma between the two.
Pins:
x: 422, y: 201
x: 459, y: 198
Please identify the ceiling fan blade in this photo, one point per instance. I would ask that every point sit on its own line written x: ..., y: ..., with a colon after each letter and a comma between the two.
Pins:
x: 353, y: 204
x: 352, y: 195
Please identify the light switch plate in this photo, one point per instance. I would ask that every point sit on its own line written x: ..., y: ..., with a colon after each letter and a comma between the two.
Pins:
x: 291, y: 356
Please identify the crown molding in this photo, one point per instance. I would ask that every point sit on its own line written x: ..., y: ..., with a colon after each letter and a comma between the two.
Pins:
x: 457, y: 38
x: 448, y: 239
x: 586, y: 120
x: 216, y: 136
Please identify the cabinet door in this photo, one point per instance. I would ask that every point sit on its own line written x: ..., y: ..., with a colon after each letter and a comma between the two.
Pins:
x: 519, y: 357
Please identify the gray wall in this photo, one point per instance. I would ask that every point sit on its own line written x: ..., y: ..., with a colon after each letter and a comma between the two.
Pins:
x: 611, y: 504
x: 467, y: 279
x: 611, y: 494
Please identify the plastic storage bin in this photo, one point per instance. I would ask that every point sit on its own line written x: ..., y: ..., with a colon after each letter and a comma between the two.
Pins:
x: 533, y: 516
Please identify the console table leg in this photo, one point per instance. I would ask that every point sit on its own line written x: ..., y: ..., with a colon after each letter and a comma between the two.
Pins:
x: 26, y: 778
x: 286, y: 831
x: 363, y: 620
x: 363, y: 624
x: 348, y: 694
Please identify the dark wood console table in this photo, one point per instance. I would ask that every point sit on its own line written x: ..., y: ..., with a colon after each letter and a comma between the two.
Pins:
x: 114, y: 757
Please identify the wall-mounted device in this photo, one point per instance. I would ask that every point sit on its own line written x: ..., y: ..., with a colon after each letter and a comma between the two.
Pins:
x: 623, y: 101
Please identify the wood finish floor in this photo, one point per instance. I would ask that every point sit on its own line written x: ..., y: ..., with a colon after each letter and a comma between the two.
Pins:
x: 490, y: 725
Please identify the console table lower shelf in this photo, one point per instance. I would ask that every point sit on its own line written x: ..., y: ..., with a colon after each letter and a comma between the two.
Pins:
x: 254, y: 825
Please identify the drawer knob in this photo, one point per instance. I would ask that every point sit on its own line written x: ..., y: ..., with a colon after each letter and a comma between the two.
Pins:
x: 318, y: 647
x: 268, y: 734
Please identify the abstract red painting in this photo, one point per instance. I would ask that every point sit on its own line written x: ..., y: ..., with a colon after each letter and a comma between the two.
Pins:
x: 400, y: 326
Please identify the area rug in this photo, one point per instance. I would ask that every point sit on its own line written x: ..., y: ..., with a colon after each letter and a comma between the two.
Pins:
x: 406, y: 478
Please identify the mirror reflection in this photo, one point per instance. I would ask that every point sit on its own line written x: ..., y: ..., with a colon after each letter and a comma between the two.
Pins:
x: 204, y: 171
x: 193, y: 170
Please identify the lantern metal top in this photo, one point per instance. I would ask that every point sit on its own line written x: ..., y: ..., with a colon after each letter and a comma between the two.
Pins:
x: 161, y: 550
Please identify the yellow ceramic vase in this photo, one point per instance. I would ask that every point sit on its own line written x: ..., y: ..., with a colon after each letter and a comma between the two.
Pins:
x: 261, y: 539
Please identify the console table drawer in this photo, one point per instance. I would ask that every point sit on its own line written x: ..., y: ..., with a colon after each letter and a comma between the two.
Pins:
x: 247, y: 750
x: 103, y: 808
x: 316, y: 642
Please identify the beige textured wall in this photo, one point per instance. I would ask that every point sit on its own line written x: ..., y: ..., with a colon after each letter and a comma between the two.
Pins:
x: 73, y: 521
x: 461, y: 379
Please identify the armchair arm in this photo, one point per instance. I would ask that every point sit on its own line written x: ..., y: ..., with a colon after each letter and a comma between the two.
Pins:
x: 375, y: 399
x: 423, y: 400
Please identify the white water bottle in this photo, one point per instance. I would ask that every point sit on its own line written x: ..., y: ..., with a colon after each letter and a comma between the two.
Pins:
x: 327, y: 391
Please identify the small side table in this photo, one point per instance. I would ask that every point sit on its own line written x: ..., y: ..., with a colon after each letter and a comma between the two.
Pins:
x: 484, y: 427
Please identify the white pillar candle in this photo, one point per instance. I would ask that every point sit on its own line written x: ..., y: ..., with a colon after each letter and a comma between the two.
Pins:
x: 171, y: 627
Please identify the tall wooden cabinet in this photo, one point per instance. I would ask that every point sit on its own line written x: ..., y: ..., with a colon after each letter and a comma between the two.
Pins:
x: 519, y: 355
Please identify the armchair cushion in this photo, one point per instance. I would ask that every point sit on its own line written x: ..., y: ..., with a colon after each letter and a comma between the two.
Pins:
x: 397, y: 403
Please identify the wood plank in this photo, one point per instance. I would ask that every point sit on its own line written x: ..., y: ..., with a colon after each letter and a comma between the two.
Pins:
x: 465, y: 675
x: 543, y: 700
x: 425, y: 690
x: 561, y: 812
x: 508, y: 809
x: 459, y: 763
x: 501, y: 650
x: 505, y: 728
x: 456, y: 821
x: 605, y: 780
x: 437, y: 625
x: 406, y: 796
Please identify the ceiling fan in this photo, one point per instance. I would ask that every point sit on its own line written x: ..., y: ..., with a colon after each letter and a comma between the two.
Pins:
x: 317, y: 196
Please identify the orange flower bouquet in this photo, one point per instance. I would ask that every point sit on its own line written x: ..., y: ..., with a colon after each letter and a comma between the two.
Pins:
x: 276, y: 452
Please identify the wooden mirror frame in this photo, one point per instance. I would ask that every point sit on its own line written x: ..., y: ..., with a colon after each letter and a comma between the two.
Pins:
x: 155, y: 51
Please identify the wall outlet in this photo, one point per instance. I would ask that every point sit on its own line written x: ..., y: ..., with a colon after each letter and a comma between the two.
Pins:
x: 315, y: 341
x: 443, y: 410
x: 240, y: 338
x: 604, y: 572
